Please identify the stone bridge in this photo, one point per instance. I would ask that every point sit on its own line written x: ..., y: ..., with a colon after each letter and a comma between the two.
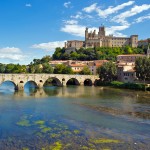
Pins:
x: 19, y: 80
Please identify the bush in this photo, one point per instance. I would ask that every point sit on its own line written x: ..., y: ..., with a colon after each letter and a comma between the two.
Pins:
x: 135, y: 86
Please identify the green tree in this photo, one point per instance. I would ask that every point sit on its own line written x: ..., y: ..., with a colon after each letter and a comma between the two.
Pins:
x: 62, y: 69
x: 9, y: 68
x: 108, y: 72
x: 46, y: 59
x: 142, y: 67
x: 2, y: 68
x: 85, y: 71
x: 38, y: 68
x: 47, y: 68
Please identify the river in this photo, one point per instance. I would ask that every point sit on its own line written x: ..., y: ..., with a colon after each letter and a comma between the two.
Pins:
x: 74, y: 118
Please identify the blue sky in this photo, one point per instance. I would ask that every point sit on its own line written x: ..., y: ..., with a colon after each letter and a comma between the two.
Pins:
x: 33, y: 28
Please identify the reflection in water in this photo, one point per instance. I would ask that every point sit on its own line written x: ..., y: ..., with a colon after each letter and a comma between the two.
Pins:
x: 74, y: 117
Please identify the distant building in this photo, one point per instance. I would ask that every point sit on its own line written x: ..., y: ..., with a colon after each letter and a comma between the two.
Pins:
x: 74, y: 44
x: 129, y: 58
x: 101, y: 40
x: 126, y: 72
x: 93, y: 39
x: 145, y: 42
x: 126, y: 66
x: 77, y: 65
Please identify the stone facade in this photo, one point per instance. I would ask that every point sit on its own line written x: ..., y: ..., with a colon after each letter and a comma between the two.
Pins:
x: 74, y: 44
x: 101, y: 40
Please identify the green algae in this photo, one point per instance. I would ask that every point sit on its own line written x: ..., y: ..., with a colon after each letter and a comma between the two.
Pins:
x: 25, y: 148
x: 39, y: 134
x: 56, y: 146
x: 24, y: 123
x: 54, y: 135
x: 46, y: 129
x: 85, y: 148
x: 42, y: 126
x: 39, y: 122
x: 76, y: 131
x: 103, y: 141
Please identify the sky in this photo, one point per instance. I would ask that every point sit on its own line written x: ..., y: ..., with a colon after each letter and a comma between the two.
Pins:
x: 34, y: 28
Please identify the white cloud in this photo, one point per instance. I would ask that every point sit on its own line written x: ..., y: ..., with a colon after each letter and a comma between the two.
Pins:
x: 67, y: 4
x: 11, y: 53
x: 74, y: 29
x: 114, y: 30
x: 141, y: 19
x: 49, y: 46
x: 108, y: 11
x: 77, y: 16
x: 28, y: 5
x: 121, y: 18
x: 71, y: 22
x: 91, y: 8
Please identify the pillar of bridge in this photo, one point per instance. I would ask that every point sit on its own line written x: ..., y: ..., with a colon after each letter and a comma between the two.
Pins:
x: 64, y: 83
x: 19, y: 87
x: 40, y: 85
x: 82, y: 83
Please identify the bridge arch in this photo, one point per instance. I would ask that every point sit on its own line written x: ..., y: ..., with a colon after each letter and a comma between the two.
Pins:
x: 9, y: 81
x: 52, y: 81
x: 30, y: 84
x: 88, y: 82
x: 73, y: 81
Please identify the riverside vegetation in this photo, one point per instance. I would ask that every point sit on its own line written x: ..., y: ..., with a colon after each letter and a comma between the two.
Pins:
x: 107, y: 72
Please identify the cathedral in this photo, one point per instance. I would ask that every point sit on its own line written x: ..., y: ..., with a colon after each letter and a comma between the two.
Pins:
x: 93, y: 39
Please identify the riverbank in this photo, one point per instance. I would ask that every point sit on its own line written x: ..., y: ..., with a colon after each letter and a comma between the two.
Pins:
x: 122, y: 85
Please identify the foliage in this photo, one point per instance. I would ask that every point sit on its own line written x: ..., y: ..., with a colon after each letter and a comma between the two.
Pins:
x: 85, y: 71
x: 135, y: 86
x: 62, y: 69
x: 12, y: 68
x: 2, y: 68
x: 108, y: 72
x: 41, y: 65
x: 142, y: 67
x: 108, y: 53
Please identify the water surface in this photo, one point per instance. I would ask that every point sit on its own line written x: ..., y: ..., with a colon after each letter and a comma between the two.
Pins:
x: 72, y: 118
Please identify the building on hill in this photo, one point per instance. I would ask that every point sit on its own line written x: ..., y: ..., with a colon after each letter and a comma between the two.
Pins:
x: 77, y: 65
x: 74, y: 44
x: 101, y: 40
x: 129, y: 58
x: 145, y: 42
x: 126, y: 66
x: 93, y: 39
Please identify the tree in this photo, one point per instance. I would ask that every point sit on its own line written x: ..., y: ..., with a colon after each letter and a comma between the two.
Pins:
x: 85, y: 71
x: 108, y: 72
x: 46, y: 59
x: 62, y: 69
x: 9, y: 68
x: 47, y: 68
x: 2, y: 68
x: 142, y: 67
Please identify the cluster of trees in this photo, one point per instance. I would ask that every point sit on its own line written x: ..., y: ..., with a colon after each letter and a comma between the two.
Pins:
x: 40, y: 65
x: 13, y: 68
x: 107, y: 72
x: 142, y: 67
x: 99, y: 53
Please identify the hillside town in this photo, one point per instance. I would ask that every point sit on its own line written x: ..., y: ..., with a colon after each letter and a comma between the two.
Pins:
x: 125, y: 63
x: 88, y: 56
